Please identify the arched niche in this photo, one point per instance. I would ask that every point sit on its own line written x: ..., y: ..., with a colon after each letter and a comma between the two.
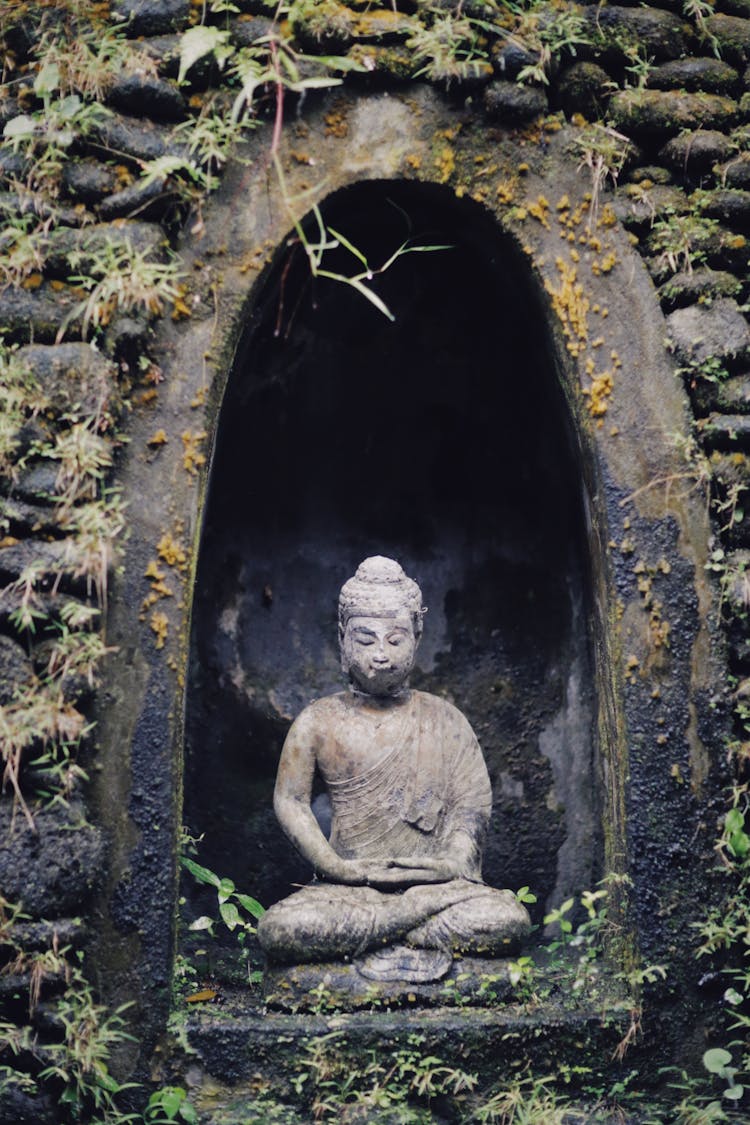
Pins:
x: 635, y: 602
x: 444, y: 439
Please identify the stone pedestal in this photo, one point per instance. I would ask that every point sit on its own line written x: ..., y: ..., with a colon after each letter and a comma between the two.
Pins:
x: 338, y: 986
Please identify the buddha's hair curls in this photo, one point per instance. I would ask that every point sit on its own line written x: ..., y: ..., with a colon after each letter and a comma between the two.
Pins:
x: 380, y: 588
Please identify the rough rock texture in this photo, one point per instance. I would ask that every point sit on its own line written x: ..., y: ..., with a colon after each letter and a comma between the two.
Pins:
x: 701, y: 285
x: 51, y: 869
x: 660, y: 113
x: 584, y: 88
x: 693, y: 74
x: 73, y: 376
x: 696, y: 151
x: 505, y: 101
x: 699, y: 333
x: 151, y: 17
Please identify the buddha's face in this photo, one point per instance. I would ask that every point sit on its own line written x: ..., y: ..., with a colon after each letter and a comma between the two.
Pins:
x: 378, y: 653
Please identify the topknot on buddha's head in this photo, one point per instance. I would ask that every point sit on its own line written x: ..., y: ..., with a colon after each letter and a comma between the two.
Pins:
x: 380, y: 588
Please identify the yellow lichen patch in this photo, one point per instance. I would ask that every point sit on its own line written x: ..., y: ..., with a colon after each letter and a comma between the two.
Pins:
x: 192, y: 457
x: 563, y: 204
x: 172, y: 552
x: 539, y: 210
x: 146, y: 397
x: 505, y: 192
x: 598, y: 393
x: 607, y: 218
x: 159, y: 438
x: 605, y: 264
x: 523, y: 168
x: 445, y: 162
x: 180, y: 309
x: 158, y: 588
x: 414, y: 161
x: 200, y: 398
x: 571, y: 305
x: 33, y: 281
x: 159, y: 627
x: 336, y: 124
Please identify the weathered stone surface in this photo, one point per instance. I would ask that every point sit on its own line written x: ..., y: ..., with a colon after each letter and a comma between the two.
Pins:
x: 725, y: 431
x: 695, y: 152
x: 18, y: 1106
x: 122, y: 137
x: 23, y: 518
x: 732, y: 35
x: 146, y: 94
x: 50, y: 557
x: 701, y: 332
x: 151, y: 17
x: 735, y: 173
x: 51, y: 870
x: 74, y: 375
x: 662, y: 113
x: 16, y: 670
x: 39, y: 314
x: 513, y: 104
x: 13, y: 203
x: 37, y: 481
x: 245, y: 30
x: 584, y: 88
x: 730, y: 396
x: 661, y: 35
x: 299, y: 988
x: 693, y: 74
x: 78, y: 251
x: 687, y: 288
x: 644, y: 173
x: 88, y: 180
x: 739, y: 8
x: 147, y: 200
x: 13, y: 166
x: 637, y: 207
x: 42, y: 935
x: 729, y: 206
x: 509, y: 58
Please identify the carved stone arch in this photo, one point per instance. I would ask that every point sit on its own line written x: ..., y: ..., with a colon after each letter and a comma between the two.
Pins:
x: 654, y: 649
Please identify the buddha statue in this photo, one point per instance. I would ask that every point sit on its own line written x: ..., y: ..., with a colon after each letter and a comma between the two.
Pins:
x: 398, y: 886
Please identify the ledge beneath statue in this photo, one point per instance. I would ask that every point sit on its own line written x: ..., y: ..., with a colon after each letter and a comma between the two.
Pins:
x: 348, y: 987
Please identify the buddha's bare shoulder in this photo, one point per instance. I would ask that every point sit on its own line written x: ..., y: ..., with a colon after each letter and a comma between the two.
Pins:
x: 441, y: 706
x: 319, y: 715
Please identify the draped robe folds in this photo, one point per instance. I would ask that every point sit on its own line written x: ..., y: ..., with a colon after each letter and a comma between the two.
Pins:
x: 429, y: 785
x: 432, y: 783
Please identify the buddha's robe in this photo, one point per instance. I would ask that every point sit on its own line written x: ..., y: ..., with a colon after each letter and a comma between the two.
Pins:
x: 432, y: 784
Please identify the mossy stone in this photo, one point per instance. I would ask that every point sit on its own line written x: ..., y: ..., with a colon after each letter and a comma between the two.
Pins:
x: 662, y: 113
x: 693, y: 74
x: 696, y: 151
x: 513, y: 104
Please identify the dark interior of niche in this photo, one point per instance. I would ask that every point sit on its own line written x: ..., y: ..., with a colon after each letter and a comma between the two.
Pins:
x: 440, y: 439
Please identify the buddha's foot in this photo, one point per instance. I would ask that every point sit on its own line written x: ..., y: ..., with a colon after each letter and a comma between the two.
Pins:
x: 404, y: 963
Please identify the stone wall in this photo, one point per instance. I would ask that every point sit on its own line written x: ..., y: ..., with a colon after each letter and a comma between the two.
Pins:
x: 669, y: 137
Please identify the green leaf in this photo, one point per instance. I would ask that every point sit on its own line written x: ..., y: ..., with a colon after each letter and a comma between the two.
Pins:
x: 172, y: 1098
x: 197, y: 42
x: 251, y: 905
x: 202, y: 923
x: 716, y: 1059
x: 734, y: 1093
x: 226, y: 888
x: 47, y: 80
x: 19, y: 127
x: 202, y: 874
x: 189, y: 1113
x: 230, y: 914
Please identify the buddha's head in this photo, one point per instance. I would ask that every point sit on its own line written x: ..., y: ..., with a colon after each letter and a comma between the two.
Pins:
x: 380, y: 624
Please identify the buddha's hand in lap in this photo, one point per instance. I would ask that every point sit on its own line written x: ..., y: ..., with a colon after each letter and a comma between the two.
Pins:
x: 393, y: 873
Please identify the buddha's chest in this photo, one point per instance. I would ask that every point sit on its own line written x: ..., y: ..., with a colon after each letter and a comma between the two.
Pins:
x: 363, y: 743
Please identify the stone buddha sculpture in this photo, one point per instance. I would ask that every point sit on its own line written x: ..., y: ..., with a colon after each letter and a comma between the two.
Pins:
x: 398, y: 888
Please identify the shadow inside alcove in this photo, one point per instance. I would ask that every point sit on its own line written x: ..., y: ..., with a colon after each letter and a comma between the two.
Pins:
x: 442, y: 439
